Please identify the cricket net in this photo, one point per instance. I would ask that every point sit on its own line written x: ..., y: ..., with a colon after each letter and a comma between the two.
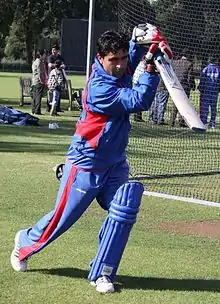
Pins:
x: 173, y: 159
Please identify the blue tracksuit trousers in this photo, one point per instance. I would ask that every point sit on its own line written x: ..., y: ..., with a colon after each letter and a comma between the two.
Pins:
x: 77, y: 190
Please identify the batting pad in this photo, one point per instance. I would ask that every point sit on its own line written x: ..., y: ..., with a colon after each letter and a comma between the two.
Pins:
x: 116, y: 229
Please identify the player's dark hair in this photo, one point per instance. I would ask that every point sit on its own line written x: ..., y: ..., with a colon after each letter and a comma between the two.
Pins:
x: 112, y: 41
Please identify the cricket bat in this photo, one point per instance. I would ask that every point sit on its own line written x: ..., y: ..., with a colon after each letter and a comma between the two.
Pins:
x: 178, y: 95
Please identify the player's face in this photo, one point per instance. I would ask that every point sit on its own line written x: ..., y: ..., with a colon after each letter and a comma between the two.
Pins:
x: 115, y: 64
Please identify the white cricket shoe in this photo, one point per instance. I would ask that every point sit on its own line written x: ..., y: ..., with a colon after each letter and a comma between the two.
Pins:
x: 92, y: 283
x: 103, y: 285
x: 16, y: 264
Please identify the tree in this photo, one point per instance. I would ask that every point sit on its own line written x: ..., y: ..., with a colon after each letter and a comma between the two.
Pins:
x: 183, y: 24
x: 192, y: 24
x: 37, y: 18
x: 27, y: 25
x: 27, y: 21
x: 15, y: 42
x: 132, y: 13
x: 210, y: 39
x: 6, y: 17
x: 105, y: 10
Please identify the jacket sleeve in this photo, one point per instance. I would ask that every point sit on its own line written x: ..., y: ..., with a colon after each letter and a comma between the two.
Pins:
x: 140, y: 69
x: 110, y: 100
x: 136, y: 52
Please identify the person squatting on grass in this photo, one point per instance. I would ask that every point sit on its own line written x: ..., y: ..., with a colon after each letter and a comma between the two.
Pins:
x: 96, y: 164
x: 56, y: 84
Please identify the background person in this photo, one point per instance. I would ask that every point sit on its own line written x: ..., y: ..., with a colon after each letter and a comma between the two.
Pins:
x: 183, y: 68
x: 51, y: 59
x: 159, y: 104
x: 209, y: 87
x: 38, y: 81
x: 56, y: 84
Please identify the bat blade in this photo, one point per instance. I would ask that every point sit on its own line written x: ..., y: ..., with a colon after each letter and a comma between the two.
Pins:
x: 178, y: 95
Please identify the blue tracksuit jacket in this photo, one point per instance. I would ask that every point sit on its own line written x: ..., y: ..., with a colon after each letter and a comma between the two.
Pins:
x: 209, y: 87
x: 209, y: 84
x: 99, y: 143
x: 102, y: 131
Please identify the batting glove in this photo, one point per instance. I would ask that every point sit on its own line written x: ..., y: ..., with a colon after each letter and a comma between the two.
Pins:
x: 150, y: 36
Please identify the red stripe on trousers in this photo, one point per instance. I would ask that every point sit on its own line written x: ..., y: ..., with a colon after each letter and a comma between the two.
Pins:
x: 27, y: 251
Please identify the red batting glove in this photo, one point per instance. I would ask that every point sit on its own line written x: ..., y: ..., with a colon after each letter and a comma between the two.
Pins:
x: 166, y: 50
x: 163, y: 47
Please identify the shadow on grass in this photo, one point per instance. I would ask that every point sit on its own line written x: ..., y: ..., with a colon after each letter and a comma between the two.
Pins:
x: 14, y: 147
x: 44, y: 133
x: 15, y: 103
x: 176, y: 175
x: 4, y: 75
x: 66, y: 128
x: 11, y: 102
x: 142, y: 283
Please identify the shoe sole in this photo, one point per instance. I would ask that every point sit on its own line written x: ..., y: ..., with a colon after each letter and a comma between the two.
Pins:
x: 110, y: 290
x: 16, y: 239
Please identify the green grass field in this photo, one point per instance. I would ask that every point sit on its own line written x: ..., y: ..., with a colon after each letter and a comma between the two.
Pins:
x: 157, y: 266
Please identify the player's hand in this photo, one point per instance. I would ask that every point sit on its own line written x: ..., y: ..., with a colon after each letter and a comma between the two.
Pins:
x: 151, y: 37
x: 163, y: 47
x: 165, y: 50
x: 151, y: 68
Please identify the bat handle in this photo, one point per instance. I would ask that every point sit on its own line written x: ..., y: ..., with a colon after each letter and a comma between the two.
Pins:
x: 159, y: 56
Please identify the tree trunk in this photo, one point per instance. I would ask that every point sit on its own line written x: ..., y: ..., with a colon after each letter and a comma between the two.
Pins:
x: 29, y: 47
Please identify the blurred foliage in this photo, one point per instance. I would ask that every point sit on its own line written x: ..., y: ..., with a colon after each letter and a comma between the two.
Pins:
x: 192, y: 24
x: 195, y: 24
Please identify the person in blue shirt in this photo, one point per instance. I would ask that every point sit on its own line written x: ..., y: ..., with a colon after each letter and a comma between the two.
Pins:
x: 96, y: 166
x: 209, y: 87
